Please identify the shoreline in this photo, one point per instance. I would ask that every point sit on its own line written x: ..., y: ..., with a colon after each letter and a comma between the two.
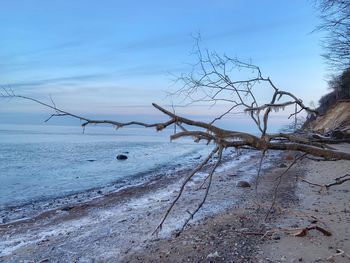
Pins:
x: 118, y: 213
x: 230, y: 227
x: 163, y: 174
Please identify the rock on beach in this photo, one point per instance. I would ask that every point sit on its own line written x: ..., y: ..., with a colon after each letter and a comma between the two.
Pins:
x: 121, y: 157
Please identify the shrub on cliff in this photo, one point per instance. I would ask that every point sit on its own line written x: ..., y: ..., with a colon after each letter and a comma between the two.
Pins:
x: 340, y: 86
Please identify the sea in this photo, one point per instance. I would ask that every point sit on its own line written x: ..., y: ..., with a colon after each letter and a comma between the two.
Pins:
x: 42, y: 162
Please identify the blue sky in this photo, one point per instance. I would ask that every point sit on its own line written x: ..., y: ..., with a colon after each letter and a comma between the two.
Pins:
x: 102, y: 57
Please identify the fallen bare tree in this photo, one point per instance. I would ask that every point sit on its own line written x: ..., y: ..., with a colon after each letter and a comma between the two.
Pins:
x: 212, y: 81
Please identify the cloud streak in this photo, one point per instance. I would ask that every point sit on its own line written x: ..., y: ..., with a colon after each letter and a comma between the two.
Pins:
x: 59, y: 47
x: 58, y: 80
x: 184, y: 38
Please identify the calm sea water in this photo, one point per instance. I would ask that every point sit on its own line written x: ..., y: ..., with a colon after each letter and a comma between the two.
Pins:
x: 39, y: 162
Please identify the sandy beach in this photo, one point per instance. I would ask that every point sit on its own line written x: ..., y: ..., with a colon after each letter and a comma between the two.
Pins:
x: 327, y: 208
x: 231, y: 226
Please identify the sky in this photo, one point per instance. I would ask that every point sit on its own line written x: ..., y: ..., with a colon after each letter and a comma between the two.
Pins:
x: 117, y: 57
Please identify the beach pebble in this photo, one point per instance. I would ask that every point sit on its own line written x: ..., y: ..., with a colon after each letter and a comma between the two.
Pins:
x: 67, y: 208
x: 339, y: 134
x: 4, y: 220
x: 242, y: 184
x: 121, y: 157
x: 213, y: 255
x: 289, y: 158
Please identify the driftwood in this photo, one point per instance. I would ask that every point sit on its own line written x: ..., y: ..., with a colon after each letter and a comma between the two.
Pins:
x: 211, y: 83
x: 337, y: 181
x: 339, y: 252
x: 297, y: 232
x: 303, y: 232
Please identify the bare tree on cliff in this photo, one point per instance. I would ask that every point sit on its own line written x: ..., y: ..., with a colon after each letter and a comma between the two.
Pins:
x: 335, y: 17
x: 214, y: 81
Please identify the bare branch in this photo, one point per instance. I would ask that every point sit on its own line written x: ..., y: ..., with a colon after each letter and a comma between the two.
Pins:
x: 337, y: 181
x: 210, y: 176
x: 279, y: 178
x: 188, y: 178
x: 259, y: 170
x: 335, y: 17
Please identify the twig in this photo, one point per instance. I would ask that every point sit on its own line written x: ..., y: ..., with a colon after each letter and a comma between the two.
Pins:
x: 339, y: 252
x: 337, y: 181
x: 199, y: 167
x: 279, y: 178
x: 259, y: 171
x: 205, y: 195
